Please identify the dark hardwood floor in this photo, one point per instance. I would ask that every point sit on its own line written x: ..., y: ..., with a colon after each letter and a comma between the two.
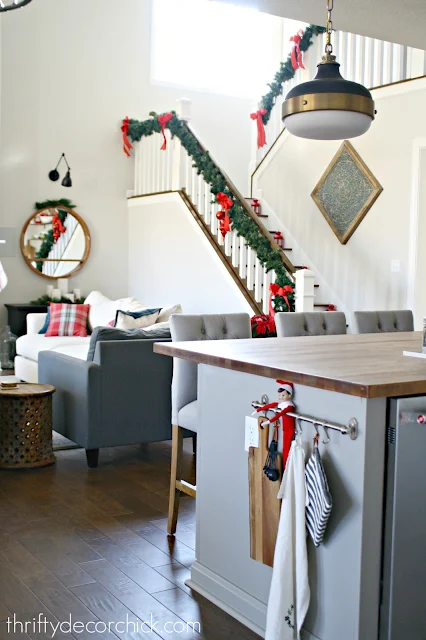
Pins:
x: 92, y: 543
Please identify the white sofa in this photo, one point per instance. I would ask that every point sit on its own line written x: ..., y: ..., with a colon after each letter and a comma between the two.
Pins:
x: 29, y: 346
x: 102, y: 311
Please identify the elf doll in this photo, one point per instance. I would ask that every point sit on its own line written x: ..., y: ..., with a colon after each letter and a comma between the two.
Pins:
x: 281, y: 409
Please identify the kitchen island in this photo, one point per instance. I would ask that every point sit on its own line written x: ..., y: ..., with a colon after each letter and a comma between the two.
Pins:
x: 336, y: 378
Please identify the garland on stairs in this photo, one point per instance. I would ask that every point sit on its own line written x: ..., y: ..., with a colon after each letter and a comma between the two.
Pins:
x: 241, y: 222
x: 49, y: 239
x: 286, y: 71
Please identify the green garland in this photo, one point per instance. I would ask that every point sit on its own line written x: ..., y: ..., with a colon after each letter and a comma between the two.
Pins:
x: 242, y: 223
x: 286, y: 71
x: 48, y: 241
x: 46, y: 300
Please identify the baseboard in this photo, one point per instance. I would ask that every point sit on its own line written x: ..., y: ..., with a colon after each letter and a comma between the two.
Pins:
x: 228, y: 597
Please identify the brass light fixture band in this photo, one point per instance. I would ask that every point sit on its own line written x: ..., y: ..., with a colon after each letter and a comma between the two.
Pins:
x: 328, y: 101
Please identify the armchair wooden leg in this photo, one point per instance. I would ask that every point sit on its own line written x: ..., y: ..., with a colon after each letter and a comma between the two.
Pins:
x: 175, y: 474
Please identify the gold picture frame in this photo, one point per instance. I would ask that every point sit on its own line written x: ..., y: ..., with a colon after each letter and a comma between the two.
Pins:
x: 346, y: 192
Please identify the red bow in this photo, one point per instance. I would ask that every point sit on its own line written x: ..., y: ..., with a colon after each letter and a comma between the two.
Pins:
x: 261, y: 136
x: 58, y: 227
x: 225, y: 221
x: 127, y: 145
x: 163, y: 120
x: 296, y: 54
x: 276, y: 290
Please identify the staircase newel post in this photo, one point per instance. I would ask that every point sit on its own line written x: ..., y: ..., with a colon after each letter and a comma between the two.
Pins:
x: 183, y: 110
x: 305, y: 280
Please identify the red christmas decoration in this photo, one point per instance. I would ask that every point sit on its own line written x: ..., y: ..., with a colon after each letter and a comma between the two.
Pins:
x: 223, y: 216
x: 279, y: 239
x: 256, y: 206
x: 263, y: 327
x: 58, y: 227
x: 276, y: 290
x: 261, y: 136
x: 127, y: 145
x: 331, y: 307
x: 163, y: 120
x: 296, y: 54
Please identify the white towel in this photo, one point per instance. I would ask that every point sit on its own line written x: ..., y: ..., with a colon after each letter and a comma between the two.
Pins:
x: 289, y: 595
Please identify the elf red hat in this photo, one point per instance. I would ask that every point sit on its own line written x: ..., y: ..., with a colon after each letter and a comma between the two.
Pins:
x: 286, y: 386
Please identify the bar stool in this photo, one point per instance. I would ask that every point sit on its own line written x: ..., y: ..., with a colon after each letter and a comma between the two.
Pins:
x: 186, y: 327
x: 383, y: 321
x: 311, y: 323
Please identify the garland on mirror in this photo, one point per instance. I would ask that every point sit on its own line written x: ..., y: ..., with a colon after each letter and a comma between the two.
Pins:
x: 49, y: 237
x: 46, y: 300
x: 242, y: 223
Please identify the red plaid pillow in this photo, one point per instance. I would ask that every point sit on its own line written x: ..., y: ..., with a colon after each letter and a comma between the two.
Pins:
x: 67, y: 320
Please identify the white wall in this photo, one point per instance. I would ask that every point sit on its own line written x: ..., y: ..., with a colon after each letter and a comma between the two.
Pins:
x: 360, y: 271
x: 71, y: 70
x: 171, y: 261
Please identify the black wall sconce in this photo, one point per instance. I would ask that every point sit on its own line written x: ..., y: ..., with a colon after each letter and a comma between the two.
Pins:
x: 54, y: 174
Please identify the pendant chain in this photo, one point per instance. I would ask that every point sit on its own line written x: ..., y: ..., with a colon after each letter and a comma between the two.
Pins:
x: 329, y: 27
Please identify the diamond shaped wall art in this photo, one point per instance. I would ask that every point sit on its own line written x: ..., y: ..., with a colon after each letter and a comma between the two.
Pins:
x: 346, y: 191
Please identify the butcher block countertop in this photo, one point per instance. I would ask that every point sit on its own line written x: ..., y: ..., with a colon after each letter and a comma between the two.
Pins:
x: 368, y: 365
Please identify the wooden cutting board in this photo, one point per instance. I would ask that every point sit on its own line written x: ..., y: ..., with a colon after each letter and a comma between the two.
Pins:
x: 264, y: 504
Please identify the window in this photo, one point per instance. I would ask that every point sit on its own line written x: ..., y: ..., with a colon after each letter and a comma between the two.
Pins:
x: 214, y: 46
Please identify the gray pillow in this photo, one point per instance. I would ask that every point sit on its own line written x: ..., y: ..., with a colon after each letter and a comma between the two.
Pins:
x: 103, y: 334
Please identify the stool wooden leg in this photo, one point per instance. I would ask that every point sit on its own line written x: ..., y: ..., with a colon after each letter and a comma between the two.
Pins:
x: 175, y: 474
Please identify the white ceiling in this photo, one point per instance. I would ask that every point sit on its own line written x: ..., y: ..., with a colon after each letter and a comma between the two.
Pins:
x: 401, y: 21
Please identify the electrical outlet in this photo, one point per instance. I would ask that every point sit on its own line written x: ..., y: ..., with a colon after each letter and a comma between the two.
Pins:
x: 251, y: 433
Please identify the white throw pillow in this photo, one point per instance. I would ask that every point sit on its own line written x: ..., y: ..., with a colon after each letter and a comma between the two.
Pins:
x: 166, y: 312
x: 158, y: 325
x: 103, y: 309
x: 125, y: 320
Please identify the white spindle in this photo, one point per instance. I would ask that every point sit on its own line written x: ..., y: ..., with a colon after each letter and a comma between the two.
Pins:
x: 228, y: 243
x: 369, y: 62
x: 213, y: 219
x: 235, y: 249
x: 378, y: 63
x: 258, y: 280
x: 399, y: 63
x: 387, y: 63
x: 188, y: 175
x: 243, y: 258
x: 208, y: 197
x: 250, y: 268
x: 267, y: 280
x: 351, y: 56
x: 359, y: 55
x: 177, y: 159
x: 136, y: 183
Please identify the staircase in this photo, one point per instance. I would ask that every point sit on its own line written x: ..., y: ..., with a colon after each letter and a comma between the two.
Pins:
x: 173, y: 170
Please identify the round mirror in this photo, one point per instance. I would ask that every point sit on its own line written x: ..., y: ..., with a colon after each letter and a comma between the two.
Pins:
x: 55, y: 242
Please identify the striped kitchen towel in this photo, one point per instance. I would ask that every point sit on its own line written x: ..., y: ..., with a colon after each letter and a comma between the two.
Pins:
x: 320, y: 501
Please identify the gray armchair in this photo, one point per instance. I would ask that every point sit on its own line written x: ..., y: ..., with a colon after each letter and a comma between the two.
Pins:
x: 185, y: 327
x: 313, y: 323
x: 383, y: 321
x: 122, y: 397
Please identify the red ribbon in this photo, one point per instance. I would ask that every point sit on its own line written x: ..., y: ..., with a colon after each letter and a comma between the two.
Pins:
x: 296, y: 54
x: 127, y: 145
x: 223, y: 216
x: 163, y: 120
x: 276, y: 290
x: 58, y: 227
x: 261, y: 136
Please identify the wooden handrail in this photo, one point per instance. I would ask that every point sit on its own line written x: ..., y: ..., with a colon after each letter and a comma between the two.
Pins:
x: 249, y: 211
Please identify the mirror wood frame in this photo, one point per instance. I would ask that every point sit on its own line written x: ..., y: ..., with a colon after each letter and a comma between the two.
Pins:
x: 88, y: 242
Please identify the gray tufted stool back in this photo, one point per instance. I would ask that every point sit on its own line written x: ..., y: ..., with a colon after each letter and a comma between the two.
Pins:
x: 383, y: 321
x: 185, y: 327
x: 313, y: 323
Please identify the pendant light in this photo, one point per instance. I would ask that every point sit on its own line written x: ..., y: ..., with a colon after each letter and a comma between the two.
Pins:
x: 9, y: 5
x: 328, y: 107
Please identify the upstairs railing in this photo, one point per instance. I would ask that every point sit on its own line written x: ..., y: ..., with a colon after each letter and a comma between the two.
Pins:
x: 186, y: 167
x: 370, y: 62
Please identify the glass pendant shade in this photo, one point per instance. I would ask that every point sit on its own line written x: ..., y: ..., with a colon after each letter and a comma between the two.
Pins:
x: 328, y: 107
